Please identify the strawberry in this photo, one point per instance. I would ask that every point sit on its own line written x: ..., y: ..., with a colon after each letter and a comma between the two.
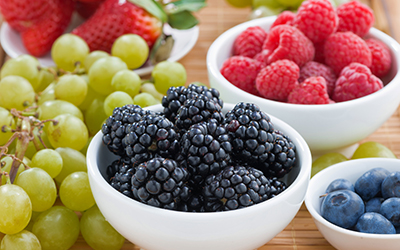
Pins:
x: 86, y: 8
x: 39, y: 38
x: 114, y: 18
x: 40, y: 23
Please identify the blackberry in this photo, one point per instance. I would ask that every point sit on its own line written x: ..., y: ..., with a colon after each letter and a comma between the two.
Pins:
x: 276, y: 186
x: 193, y: 203
x: 205, y: 150
x: 160, y: 182
x: 176, y: 96
x: 235, y: 187
x: 119, y: 174
x: 198, y: 109
x: 154, y: 135
x: 282, y: 157
x: 251, y: 132
x: 114, y: 127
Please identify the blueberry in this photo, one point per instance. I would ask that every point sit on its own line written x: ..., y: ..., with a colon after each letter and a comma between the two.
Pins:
x: 374, y: 223
x: 369, y: 184
x: 342, y: 208
x: 340, y: 184
x: 390, y: 208
x: 391, y: 185
x: 374, y: 204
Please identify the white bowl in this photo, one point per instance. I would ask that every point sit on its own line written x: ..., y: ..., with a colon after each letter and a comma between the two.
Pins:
x: 155, y: 228
x: 325, y: 128
x: 338, y: 237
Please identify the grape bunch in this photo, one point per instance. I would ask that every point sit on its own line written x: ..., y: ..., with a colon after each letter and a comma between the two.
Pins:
x: 48, y: 116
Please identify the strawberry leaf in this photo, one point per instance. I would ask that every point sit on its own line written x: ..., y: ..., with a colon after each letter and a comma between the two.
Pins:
x: 182, y: 5
x: 152, y: 7
x: 182, y: 20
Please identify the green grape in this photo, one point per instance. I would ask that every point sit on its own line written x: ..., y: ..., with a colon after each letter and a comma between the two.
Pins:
x: 23, y: 240
x: 102, y: 72
x: 85, y: 148
x: 116, y: 99
x: 15, y: 207
x: 90, y: 96
x: 93, y: 57
x: 47, y: 95
x: 325, y: 161
x: 145, y: 100
x: 69, y: 131
x: 264, y: 11
x: 149, y: 87
x: 273, y: 4
x: 26, y: 66
x: 6, y: 163
x: 71, y: 88
x: 45, y: 79
x: 95, y: 115
x: 42, y: 196
x: 57, y: 228
x: 127, y: 81
x: 51, y: 109
x: 68, y: 50
x: 132, y: 49
x: 75, y: 192
x: 7, y: 120
x: 31, y: 150
x: 34, y: 216
x: 239, y: 3
x: 290, y: 3
x: 16, y: 92
x: 168, y: 74
x: 49, y: 160
x: 372, y: 149
x: 73, y: 161
x: 98, y: 232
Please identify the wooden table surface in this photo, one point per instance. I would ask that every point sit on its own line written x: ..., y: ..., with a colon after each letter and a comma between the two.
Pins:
x: 216, y: 18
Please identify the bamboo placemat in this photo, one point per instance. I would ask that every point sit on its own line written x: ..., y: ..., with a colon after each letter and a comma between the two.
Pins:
x: 216, y: 18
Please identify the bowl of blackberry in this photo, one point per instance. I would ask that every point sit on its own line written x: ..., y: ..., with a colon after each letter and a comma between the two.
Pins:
x: 324, y: 70
x: 355, y: 204
x: 197, y: 173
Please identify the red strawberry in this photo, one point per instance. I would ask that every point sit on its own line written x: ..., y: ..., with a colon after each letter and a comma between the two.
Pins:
x: 86, y: 8
x: 114, y: 18
x: 39, y: 22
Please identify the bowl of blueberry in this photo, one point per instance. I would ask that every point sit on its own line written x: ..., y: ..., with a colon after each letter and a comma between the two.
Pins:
x: 336, y: 82
x: 197, y: 173
x: 356, y: 204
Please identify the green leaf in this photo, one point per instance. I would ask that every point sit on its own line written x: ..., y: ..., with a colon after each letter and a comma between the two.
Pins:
x: 152, y: 7
x: 182, y: 5
x: 182, y: 20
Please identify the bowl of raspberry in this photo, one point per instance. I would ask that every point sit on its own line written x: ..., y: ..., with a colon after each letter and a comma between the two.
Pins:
x: 356, y: 204
x: 197, y: 173
x: 325, y: 71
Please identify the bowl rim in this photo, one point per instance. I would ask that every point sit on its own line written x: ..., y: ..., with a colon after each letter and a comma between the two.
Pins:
x: 212, y: 53
x: 303, y: 176
x: 316, y: 216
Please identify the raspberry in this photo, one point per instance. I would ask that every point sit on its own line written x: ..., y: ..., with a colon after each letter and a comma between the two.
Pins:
x: 278, y: 79
x: 311, y: 91
x: 285, y: 17
x: 249, y: 42
x: 287, y: 42
x: 355, y: 17
x: 242, y: 71
x: 343, y: 48
x: 318, y: 69
x: 381, y: 59
x: 355, y: 81
x: 319, y: 52
x: 317, y: 19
